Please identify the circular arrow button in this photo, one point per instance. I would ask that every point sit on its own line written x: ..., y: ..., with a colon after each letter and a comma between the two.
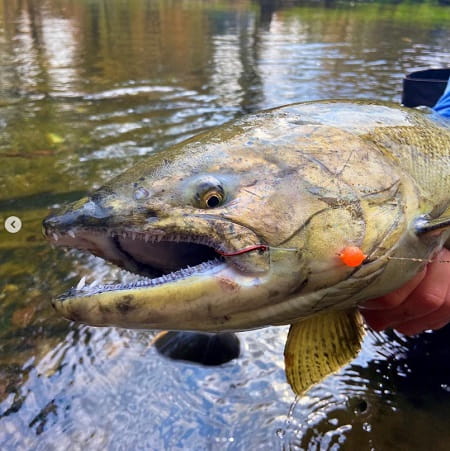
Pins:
x: 13, y: 224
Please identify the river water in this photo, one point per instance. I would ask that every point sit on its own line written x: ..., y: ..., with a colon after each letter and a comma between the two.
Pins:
x: 89, y: 87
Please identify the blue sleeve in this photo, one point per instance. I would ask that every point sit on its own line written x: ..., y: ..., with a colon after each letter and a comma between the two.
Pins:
x: 442, y: 106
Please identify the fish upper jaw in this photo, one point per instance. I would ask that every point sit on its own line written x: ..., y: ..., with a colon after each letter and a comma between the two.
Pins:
x: 165, y: 246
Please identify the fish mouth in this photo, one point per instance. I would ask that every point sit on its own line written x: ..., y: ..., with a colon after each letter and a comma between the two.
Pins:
x: 153, y: 258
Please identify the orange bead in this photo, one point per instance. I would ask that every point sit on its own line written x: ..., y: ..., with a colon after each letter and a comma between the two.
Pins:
x: 352, y: 256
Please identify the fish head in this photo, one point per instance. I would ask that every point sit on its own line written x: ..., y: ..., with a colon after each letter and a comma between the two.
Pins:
x: 238, y: 228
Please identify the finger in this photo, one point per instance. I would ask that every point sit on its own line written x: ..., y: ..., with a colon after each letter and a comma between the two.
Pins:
x: 396, y: 297
x: 376, y: 312
x: 433, y: 321
x: 429, y: 296
x: 439, y: 325
x: 417, y: 298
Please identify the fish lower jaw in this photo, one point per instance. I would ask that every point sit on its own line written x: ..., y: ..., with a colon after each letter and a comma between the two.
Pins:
x: 82, y: 289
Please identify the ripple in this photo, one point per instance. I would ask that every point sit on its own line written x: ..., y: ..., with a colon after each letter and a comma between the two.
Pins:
x: 129, y: 91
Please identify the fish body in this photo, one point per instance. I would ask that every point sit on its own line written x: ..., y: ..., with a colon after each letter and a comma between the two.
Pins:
x: 242, y: 226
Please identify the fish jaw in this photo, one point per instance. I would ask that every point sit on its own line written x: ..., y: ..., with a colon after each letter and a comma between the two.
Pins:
x: 195, y: 275
x: 213, y: 296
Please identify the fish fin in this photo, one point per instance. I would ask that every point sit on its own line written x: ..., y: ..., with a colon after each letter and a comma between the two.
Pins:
x: 321, y: 345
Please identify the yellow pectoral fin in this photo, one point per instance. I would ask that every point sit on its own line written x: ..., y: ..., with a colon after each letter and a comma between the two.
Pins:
x: 321, y: 345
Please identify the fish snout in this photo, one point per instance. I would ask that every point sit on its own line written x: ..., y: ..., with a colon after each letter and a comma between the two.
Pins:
x: 84, y: 213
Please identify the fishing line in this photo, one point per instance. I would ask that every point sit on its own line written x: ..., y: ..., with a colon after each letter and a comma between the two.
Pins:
x: 411, y: 259
x: 256, y: 247
x: 352, y: 256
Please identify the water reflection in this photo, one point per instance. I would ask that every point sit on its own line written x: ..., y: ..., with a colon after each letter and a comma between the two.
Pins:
x: 381, y: 401
x: 87, y: 88
x: 346, y: 52
x: 60, y: 45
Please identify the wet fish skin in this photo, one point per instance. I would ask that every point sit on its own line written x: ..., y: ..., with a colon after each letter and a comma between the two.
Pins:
x: 306, y: 180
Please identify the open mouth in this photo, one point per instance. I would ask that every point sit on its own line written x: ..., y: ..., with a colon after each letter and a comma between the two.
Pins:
x: 154, y: 259
x: 158, y: 256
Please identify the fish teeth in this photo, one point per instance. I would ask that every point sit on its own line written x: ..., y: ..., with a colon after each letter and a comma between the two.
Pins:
x: 81, y: 284
x: 146, y: 238
x: 93, y: 284
x: 133, y: 235
x: 55, y: 236
x: 71, y: 233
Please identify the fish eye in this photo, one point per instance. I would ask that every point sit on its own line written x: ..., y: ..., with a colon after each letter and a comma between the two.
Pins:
x: 209, y: 194
x: 212, y: 199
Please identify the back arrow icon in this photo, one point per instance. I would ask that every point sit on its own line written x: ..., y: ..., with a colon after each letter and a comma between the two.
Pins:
x: 13, y: 224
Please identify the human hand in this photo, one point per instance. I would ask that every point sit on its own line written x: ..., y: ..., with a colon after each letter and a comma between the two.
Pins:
x: 422, y: 303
